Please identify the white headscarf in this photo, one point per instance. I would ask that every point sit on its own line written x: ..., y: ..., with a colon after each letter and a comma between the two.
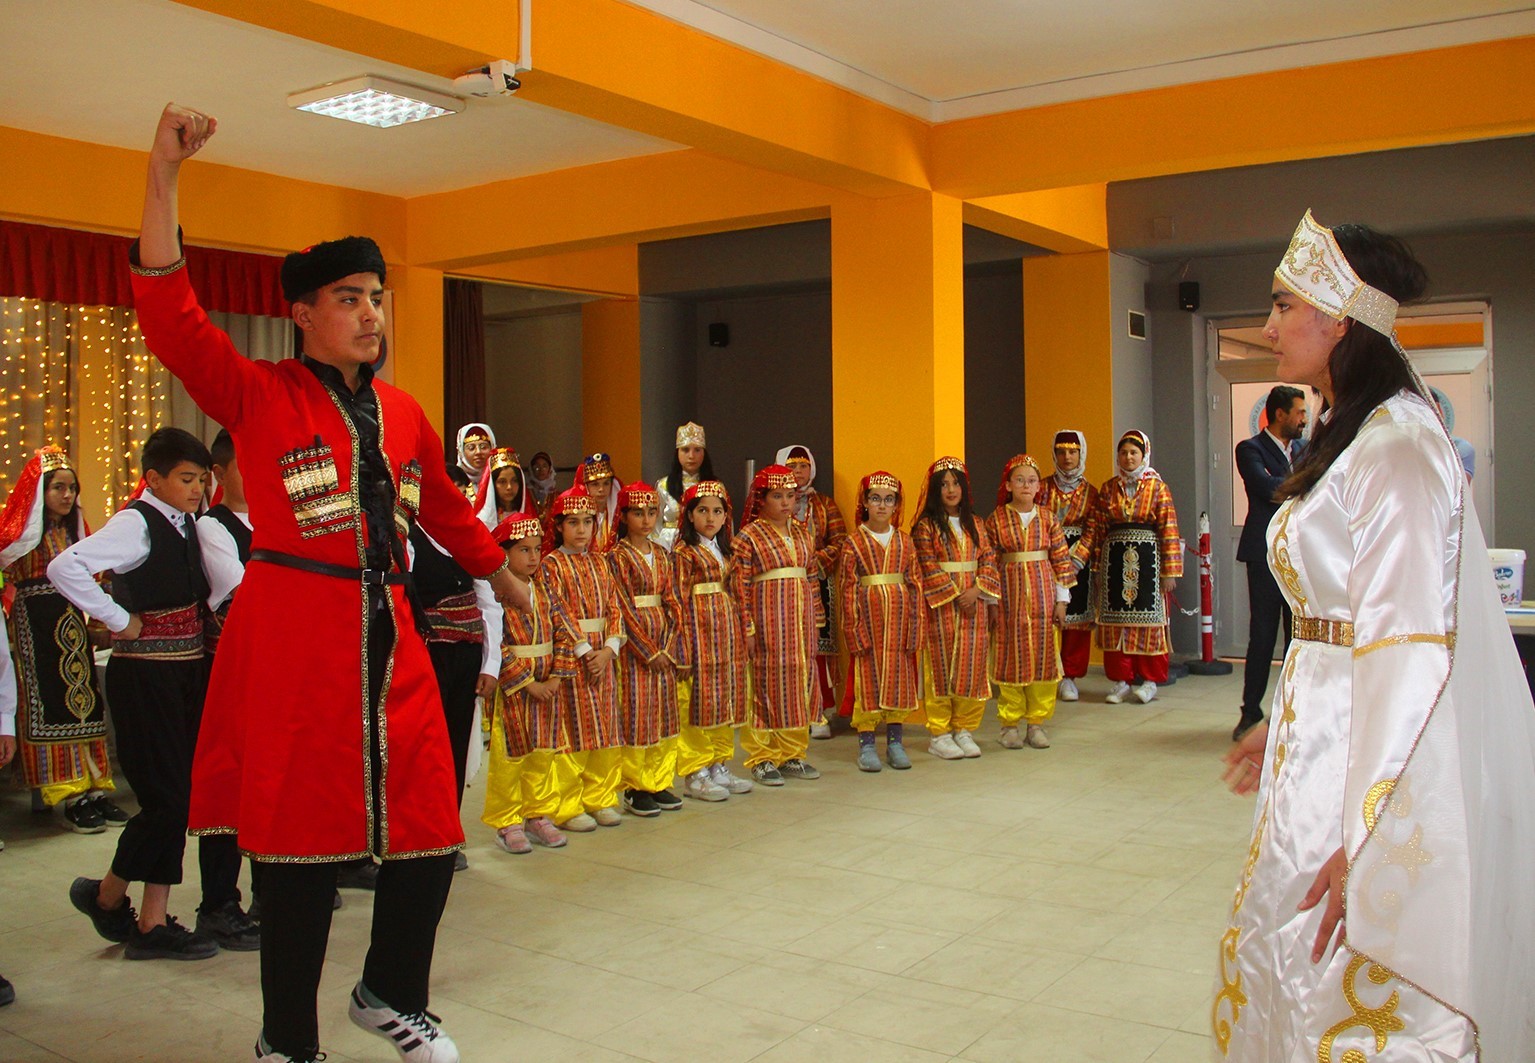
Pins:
x: 1143, y: 471
x: 1068, y: 482
x: 802, y: 494
x: 463, y: 462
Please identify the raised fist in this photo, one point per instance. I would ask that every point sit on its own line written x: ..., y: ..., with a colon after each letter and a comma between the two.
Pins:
x: 181, y: 134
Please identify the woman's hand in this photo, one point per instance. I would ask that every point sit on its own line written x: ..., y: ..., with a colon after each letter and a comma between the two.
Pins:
x: 1060, y: 613
x: 1329, y: 884
x: 485, y: 686
x: 1244, y: 764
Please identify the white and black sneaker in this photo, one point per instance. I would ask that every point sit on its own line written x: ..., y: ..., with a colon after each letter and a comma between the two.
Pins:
x: 415, y: 1035
x: 271, y: 1055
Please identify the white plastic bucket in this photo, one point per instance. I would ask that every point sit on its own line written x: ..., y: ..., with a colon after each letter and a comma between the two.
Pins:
x: 1508, y: 574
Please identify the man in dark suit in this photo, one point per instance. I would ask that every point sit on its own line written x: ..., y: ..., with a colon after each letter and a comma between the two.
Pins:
x: 1264, y: 462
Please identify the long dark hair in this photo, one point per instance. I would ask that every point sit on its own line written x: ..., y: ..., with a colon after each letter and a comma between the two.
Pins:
x: 72, y: 518
x: 674, y: 474
x: 689, y: 534
x: 1366, y: 369
x: 933, y: 509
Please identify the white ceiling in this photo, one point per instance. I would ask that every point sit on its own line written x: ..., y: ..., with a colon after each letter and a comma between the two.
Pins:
x: 942, y: 61
x: 101, y: 70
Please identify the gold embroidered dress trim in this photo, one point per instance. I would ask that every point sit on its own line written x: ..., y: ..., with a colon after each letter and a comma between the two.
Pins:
x: 1020, y: 556
x: 1315, y: 629
x: 647, y: 601
x: 707, y: 588
x: 789, y: 572
x: 534, y: 652
x: 958, y: 566
x: 157, y: 271
x: 882, y: 579
x: 1447, y: 639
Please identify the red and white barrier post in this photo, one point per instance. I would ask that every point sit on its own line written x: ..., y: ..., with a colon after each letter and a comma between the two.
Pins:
x: 1208, y: 664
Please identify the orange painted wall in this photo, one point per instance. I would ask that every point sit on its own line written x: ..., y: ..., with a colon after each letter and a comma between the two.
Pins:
x: 1068, y: 356
x: 610, y: 381
x: 609, y: 270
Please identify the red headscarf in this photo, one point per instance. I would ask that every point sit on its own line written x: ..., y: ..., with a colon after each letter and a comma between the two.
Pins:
x: 1004, y: 493
x: 768, y: 478
x: 570, y: 502
x: 880, y: 481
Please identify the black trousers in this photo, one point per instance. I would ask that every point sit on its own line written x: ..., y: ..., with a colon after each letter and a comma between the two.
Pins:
x: 156, y: 707
x: 1266, y: 609
x: 218, y: 861
x: 457, y: 665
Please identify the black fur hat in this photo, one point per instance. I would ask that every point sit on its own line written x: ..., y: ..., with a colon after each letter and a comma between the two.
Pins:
x: 315, y: 267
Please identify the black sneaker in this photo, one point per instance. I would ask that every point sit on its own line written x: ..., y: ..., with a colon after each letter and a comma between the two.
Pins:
x: 82, y: 818
x: 640, y: 803
x: 460, y: 862
x: 170, y: 941
x: 798, y: 769
x: 115, y: 924
x: 357, y: 875
x: 109, y: 812
x: 665, y: 800
x: 7, y: 993
x: 230, y: 928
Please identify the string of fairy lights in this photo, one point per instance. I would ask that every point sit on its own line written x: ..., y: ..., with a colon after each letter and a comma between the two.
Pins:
x: 82, y: 378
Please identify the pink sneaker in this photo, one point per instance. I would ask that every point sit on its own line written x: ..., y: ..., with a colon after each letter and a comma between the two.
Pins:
x: 543, y: 831
x: 513, y: 840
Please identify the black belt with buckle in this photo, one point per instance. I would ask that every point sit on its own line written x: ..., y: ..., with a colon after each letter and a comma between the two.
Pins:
x: 369, y: 577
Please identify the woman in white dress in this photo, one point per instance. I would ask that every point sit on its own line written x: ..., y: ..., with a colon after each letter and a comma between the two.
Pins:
x: 1384, y: 911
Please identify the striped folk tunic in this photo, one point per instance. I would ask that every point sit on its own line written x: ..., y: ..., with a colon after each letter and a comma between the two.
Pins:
x: 828, y: 531
x: 1151, y: 503
x: 957, y: 644
x: 647, y: 676
x: 527, y: 723
x: 584, y: 586
x: 713, y: 642
x: 783, y: 613
x: 1073, y: 509
x: 1023, y: 636
x: 881, y: 606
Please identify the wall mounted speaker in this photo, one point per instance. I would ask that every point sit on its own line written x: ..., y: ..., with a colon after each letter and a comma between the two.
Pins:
x: 719, y: 334
x: 1188, y: 295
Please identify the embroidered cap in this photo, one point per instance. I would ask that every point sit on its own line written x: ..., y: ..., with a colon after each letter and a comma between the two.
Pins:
x: 1017, y: 461
x: 1315, y: 269
x: 637, y: 494
x: 516, y: 527
x: 690, y: 435
x: 706, y: 489
x: 596, y: 467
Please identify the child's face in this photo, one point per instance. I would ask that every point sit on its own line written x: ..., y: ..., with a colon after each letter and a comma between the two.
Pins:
x: 951, y: 492
x: 708, y: 516
x: 640, y: 521
x: 576, y: 531
x: 476, y: 450
x: 508, y: 487
x: 229, y: 478
x: 778, y: 506
x: 801, y: 470
x: 1130, y: 456
x: 881, y: 506
x: 181, y: 488
x: 690, y: 457
x: 63, y: 490
x: 1023, y: 484
x: 542, y: 468
x: 1067, y: 459
x: 599, y: 489
x: 523, y: 556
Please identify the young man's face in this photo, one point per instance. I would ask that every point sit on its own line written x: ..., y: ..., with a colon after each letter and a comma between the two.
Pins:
x: 523, y: 556
x: 1067, y: 459
x: 345, y: 326
x: 1291, y: 424
x: 63, y: 490
x: 708, y: 516
x: 881, y: 506
x: 691, y: 458
x: 778, y: 505
x: 952, y: 492
x: 576, y: 531
x: 181, y: 488
x: 1023, y: 485
x: 640, y: 520
x: 476, y: 450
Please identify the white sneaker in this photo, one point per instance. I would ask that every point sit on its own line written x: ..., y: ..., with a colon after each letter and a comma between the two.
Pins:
x: 945, y: 748
x: 723, y: 776
x: 1118, y: 694
x: 1067, y: 691
x: 702, y: 787
x: 1009, y: 738
x: 820, y: 729
x: 1145, y: 693
x: 580, y: 823
x: 1036, y: 737
x: 271, y: 1055
x: 415, y: 1035
x: 607, y: 817
x: 966, y: 744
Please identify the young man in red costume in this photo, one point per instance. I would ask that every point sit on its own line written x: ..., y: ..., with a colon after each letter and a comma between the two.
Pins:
x: 328, y: 743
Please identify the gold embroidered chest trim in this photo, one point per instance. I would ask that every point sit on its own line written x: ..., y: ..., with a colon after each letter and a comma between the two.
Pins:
x: 1283, y: 567
x: 1381, y: 1021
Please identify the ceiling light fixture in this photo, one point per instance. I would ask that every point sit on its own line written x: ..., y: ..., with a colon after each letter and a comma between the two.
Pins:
x: 375, y: 101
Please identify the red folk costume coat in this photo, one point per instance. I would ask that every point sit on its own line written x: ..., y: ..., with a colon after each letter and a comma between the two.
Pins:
x: 584, y: 586
x: 647, y: 595
x: 957, y: 645
x: 527, y: 723
x: 713, y: 642
x: 783, y: 614
x: 1151, y: 503
x: 1072, y: 509
x: 1023, y: 646
x: 881, y: 606
x: 282, y: 757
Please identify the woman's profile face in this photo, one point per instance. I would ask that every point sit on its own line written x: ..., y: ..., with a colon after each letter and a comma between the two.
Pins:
x: 1302, y: 338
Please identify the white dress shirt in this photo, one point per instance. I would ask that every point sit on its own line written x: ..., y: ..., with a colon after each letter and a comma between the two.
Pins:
x: 7, y: 685
x: 491, y: 615
x: 221, y: 555
x: 122, y: 545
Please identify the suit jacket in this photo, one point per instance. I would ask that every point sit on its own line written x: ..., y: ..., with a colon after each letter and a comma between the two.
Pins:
x: 1263, y: 466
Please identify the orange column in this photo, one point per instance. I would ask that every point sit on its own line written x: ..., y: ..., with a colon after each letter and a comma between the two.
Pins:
x: 416, y: 351
x: 898, y: 338
x: 610, y: 382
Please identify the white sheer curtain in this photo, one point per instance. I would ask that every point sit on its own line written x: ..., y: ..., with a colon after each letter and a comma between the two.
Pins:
x: 266, y: 339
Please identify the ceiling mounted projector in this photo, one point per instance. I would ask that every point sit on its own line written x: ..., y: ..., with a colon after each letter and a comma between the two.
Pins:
x: 495, y: 79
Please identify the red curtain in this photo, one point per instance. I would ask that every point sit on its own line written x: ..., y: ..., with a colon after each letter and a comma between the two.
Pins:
x: 69, y: 266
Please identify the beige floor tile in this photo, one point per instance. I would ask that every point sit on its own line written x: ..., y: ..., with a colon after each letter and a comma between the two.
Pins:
x: 923, y: 1015
x: 798, y: 987
x: 1173, y: 946
x: 690, y: 1023
x: 864, y: 941
x: 1183, y: 1048
x: 1004, y: 969
x: 1126, y: 991
x: 1037, y: 1033
x: 827, y: 1044
x: 1059, y: 928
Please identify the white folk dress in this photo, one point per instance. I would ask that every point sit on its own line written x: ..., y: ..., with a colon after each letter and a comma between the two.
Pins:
x: 1411, y: 745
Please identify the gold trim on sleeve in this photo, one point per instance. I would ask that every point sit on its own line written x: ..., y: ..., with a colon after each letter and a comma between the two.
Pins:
x: 157, y: 271
x: 1447, y: 639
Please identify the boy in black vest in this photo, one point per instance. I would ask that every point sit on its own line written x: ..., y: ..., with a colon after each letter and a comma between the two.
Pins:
x: 155, y: 682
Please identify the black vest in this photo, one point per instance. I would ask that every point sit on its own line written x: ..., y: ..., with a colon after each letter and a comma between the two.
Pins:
x: 236, y: 528
x: 171, y: 577
x: 436, y: 575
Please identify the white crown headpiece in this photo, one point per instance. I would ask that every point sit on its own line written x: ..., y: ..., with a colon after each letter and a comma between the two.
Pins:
x: 1315, y: 269
x: 690, y: 435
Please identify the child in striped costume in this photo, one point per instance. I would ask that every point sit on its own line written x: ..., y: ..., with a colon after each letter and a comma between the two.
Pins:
x: 1037, y: 576
x: 583, y: 584
x: 881, y: 611
x: 647, y: 665
x: 711, y: 688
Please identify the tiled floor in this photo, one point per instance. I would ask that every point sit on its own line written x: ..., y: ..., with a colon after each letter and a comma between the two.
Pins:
x: 1028, y: 906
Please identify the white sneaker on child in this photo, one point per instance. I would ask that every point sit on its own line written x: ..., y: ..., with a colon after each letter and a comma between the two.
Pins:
x: 1117, y: 695
x: 723, y: 776
x: 1036, y: 737
x: 702, y: 787
x: 415, y: 1035
x: 945, y: 748
x: 966, y: 744
x: 1145, y: 693
x: 1067, y: 690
